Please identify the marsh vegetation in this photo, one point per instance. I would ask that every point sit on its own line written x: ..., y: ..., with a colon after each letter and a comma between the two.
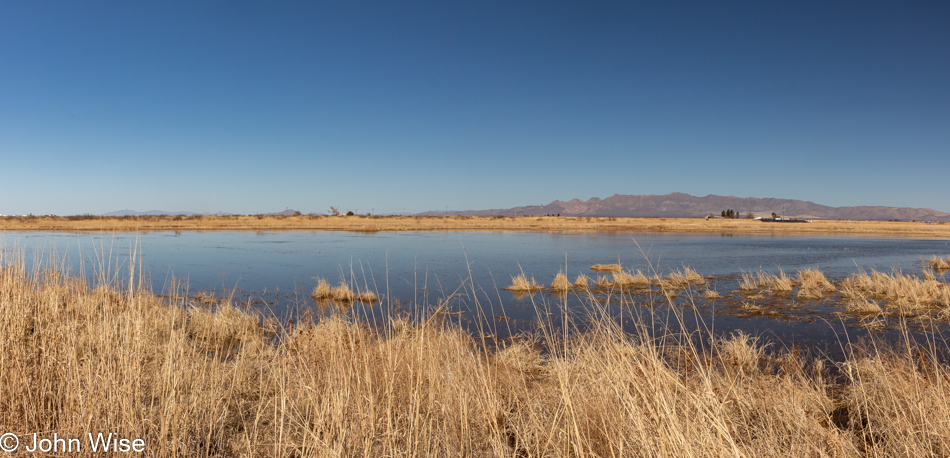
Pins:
x: 194, y: 379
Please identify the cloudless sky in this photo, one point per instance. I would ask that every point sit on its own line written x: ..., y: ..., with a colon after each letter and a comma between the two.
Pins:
x: 251, y: 107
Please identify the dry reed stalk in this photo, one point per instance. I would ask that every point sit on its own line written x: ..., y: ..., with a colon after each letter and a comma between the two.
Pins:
x: 561, y: 283
x: 521, y: 283
x: 711, y: 294
x: 606, y: 268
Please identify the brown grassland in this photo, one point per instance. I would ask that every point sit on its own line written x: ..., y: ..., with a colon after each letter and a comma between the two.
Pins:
x: 467, y: 223
x: 197, y: 381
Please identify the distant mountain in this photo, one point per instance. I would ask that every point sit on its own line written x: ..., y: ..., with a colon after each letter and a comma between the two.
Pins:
x: 680, y: 205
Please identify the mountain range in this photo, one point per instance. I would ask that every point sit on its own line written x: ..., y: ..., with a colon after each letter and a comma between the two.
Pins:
x: 680, y: 205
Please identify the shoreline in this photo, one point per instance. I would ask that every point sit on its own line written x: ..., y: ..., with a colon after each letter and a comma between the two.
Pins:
x: 363, y: 223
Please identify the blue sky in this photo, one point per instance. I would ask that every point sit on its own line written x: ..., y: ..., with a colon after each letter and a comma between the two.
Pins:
x: 407, y: 106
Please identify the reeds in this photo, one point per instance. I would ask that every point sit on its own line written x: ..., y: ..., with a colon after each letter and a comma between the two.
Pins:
x: 684, y: 278
x: 561, y: 284
x: 812, y: 284
x: 937, y: 263
x: 626, y: 280
x: 322, y: 290
x: 582, y: 282
x: 367, y: 297
x: 521, y: 283
x: 190, y: 381
x: 343, y: 293
x: 765, y: 281
x: 898, y: 289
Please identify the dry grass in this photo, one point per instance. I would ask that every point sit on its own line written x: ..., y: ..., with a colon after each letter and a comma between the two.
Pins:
x: 191, y: 381
x: 626, y: 280
x: 582, y: 282
x: 322, y: 290
x: 606, y: 268
x: 343, y: 293
x: 764, y: 281
x: 467, y: 223
x: 684, y: 278
x: 938, y: 263
x: 521, y: 283
x: 561, y: 283
x: 367, y: 297
x: 898, y: 289
x: 711, y: 294
x: 812, y: 284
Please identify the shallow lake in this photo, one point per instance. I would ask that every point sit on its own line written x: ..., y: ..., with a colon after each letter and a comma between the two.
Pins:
x: 276, y: 271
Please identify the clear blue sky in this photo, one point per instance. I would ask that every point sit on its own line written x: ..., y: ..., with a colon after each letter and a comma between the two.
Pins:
x: 403, y: 106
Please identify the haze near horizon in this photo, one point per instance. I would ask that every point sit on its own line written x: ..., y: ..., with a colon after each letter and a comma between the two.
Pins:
x: 412, y: 107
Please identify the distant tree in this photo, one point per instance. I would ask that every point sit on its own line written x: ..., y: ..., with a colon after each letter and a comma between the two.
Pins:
x: 349, y: 213
x: 296, y: 213
x: 774, y: 216
x: 334, y: 210
x: 750, y: 215
x: 723, y: 213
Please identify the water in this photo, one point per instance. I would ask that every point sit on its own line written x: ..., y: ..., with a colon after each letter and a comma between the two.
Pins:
x: 276, y: 271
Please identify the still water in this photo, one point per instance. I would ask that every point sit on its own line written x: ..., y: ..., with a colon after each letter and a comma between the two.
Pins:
x: 276, y: 271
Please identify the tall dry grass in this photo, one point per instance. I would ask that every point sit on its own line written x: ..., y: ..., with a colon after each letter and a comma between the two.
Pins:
x: 194, y: 381
x: 765, y: 281
x: 938, y: 263
x: 626, y: 280
x: 812, y: 284
x: 521, y: 283
x: 898, y: 289
x: 561, y: 283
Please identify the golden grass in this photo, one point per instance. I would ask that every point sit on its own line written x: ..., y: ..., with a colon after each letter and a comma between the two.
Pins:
x: 711, y: 294
x: 684, y: 278
x: 938, y: 263
x: 367, y: 297
x: 582, y: 282
x: 626, y: 280
x: 765, y: 281
x: 322, y: 290
x: 521, y: 283
x: 898, y: 289
x: 606, y: 268
x: 468, y: 223
x: 812, y: 284
x: 561, y: 283
x: 343, y: 293
x: 190, y: 381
